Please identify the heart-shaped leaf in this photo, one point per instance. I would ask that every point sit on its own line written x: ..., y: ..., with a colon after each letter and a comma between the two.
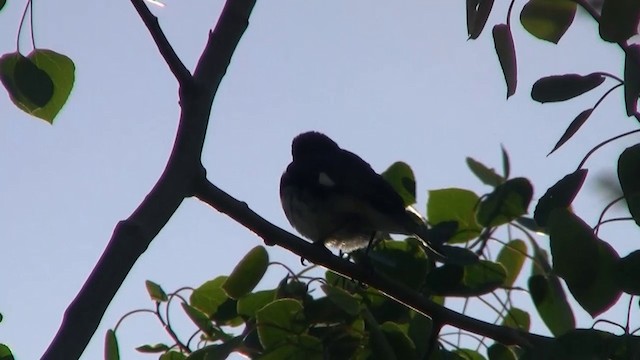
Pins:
x: 548, y: 19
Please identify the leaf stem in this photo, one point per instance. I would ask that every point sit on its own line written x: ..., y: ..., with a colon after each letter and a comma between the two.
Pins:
x: 584, y: 160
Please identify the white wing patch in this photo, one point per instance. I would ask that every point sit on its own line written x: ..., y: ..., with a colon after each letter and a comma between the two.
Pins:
x: 325, y: 180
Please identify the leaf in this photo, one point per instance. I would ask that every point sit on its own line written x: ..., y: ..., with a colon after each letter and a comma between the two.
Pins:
x: 586, y: 263
x: 57, y: 67
x: 227, y: 314
x: 512, y: 257
x: 278, y: 320
x: 572, y: 129
x: 506, y: 203
x: 111, y: 351
x: 420, y: 328
x: 628, y: 174
x: 401, y: 178
x: 498, y: 351
x: 564, y: 87
x: 399, y: 340
x: 632, y: 78
x: 296, y: 347
x: 560, y: 195
x: 455, y: 205
x: 530, y: 224
x: 480, y: 18
x: 347, y: 302
x: 574, y: 247
x: 485, y: 174
x: 401, y: 260
x: 8, y: 64
x: 472, y: 10
x: 619, y: 20
x: 199, y: 318
x: 5, y: 353
x: 627, y: 270
x: 465, y: 354
x: 209, y: 296
x: 582, y: 344
x: 217, y: 351
x: 172, y: 355
x: 32, y: 82
x: 625, y: 347
x: 249, y: 304
x: 503, y: 42
x: 155, y: 291
x: 465, y: 281
x: 551, y: 302
x: 517, y: 319
x: 247, y: 274
x: 548, y: 19
x: 2, y: 4
x: 506, y: 167
x: 152, y: 349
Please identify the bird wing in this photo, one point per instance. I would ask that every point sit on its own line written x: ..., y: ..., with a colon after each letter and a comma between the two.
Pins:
x: 354, y: 176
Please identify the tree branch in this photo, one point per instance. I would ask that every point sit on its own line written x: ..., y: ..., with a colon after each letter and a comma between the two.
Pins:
x: 176, y: 66
x: 273, y: 235
x: 131, y: 237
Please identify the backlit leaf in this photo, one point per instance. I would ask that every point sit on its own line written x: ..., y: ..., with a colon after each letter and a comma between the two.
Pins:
x: 632, y: 78
x: 480, y: 18
x: 586, y: 263
x: 485, y: 174
x: 627, y: 270
x: 572, y: 129
x: 560, y: 195
x: 401, y: 178
x: 155, y: 291
x: 503, y: 42
x: 246, y: 275
x: 548, y: 19
x: 517, y: 319
x: 34, y: 83
x: 278, y: 320
x: 455, y: 205
x: 564, y: 87
x: 506, y: 203
x: 628, y: 174
x: 619, y: 20
x: 111, y: 351
x: 551, y: 302
x: 512, y: 257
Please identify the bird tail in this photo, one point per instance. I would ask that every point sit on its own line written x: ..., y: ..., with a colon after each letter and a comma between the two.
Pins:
x: 434, y: 240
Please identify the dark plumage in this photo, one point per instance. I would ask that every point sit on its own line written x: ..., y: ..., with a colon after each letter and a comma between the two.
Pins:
x: 332, y: 196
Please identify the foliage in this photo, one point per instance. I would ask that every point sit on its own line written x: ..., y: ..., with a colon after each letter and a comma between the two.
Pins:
x: 351, y: 320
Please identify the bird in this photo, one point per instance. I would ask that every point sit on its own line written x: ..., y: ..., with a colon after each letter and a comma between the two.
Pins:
x: 333, y: 197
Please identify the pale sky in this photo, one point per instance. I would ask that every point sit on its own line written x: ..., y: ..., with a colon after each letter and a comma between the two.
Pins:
x: 387, y: 81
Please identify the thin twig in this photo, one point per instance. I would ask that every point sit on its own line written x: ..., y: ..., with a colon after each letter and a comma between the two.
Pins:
x: 176, y: 66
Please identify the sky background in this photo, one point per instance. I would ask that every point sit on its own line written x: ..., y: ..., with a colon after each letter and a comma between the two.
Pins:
x: 387, y: 81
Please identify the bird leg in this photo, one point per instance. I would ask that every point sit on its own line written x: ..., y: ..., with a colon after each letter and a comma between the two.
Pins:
x: 371, y: 244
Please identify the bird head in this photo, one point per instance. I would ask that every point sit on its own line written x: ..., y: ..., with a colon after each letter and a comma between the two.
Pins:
x: 310, y: 143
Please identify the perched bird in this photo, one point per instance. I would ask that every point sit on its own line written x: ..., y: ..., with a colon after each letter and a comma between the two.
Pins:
x: 332, y: 196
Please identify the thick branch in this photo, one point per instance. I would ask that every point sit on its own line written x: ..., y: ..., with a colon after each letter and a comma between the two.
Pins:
x: 132, y: 237
x: 274, y: 235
